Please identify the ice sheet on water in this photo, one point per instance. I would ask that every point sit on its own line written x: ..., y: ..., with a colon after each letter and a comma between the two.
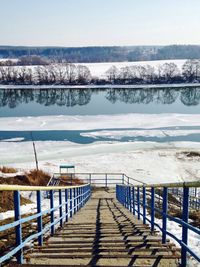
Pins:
x: 119, y: 121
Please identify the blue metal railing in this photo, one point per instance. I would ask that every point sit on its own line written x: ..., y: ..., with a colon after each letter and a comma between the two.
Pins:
x: 132, y: 199
x: 70, y: 199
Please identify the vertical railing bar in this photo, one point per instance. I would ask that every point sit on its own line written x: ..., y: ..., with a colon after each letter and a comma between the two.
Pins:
x: 18, y: 228
x: 164, y: 214
x: 185, y: 217
x: 133, y: 193
x: 66, y: 205
x: 152, y: 208
x: 39, y: 219
x: 70, y: 197
x: 144, y: 204
x: 60, y: 208
x: 52, y: 211
x: 74, y: 195
x: 138, y: 202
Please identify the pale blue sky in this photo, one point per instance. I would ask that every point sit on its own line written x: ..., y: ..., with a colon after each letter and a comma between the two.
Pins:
x: 99, y: 22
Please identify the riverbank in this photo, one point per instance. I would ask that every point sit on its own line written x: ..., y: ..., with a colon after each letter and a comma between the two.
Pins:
x: 106, y: 86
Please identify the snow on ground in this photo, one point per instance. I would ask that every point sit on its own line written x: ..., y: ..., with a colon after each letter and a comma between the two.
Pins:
x: 99, y: 69
x: 148, y: 162
x: 89, y: 122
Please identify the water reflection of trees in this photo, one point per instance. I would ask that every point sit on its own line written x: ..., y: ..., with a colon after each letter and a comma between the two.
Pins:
x: 46, y: 97
x: 73, y: 97
x: 188, y: 96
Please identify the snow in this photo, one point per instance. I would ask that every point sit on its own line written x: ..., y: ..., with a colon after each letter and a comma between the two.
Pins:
x: 99, y: 69
x: 135, y: 133
x: 147, y: 161
x: 89, y: 122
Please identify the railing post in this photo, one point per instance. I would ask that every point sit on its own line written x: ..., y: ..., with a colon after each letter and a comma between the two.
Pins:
x: 90, y: 178
x: 78, y: 198
x: 52, y: 211
x: 18, y: 228
x: 144, y: 204
x: 70, y: 199
x: 152, y: 208
x: 129, y: 197
x: 123, y: 178
x: 164, y: 214
x: 81, y: 196
x: 106, y: 180
x: 60, y: 209
x: 71, y: 179
x: 138, y: 202
x: 133, y: 196
x: 39, y: 219
x: 185, y: 216
x: 74, y: 194
x: 66, y: 205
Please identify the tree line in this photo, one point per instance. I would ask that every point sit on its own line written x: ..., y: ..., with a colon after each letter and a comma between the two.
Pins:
x: 104, y: 53
x: 72, y: 74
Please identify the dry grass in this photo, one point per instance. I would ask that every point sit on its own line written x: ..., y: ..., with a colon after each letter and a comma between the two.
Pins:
x: 5, y: 169
x: 33, y: 178
x: 37, y: 178
x: 66, y: 180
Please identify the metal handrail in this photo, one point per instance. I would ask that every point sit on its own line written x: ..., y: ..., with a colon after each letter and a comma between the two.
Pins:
x: 132, y: 198
x: 6, y: 187
x: 75, y: 198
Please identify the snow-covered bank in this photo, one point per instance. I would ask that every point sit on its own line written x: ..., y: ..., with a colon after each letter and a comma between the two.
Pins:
x: 106, y: 86
x: 149, y: 162
x: 118, y: 121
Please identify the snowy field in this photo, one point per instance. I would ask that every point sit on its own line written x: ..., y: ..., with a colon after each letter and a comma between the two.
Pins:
x: 99, y: 69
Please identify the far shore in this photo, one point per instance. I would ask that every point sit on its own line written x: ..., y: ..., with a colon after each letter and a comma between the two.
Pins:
x: 106, y: 86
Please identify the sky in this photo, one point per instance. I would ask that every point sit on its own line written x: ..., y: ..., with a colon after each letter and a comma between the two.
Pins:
x: 99, y: 22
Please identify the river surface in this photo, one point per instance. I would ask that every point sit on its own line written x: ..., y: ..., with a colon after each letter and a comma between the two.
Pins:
x: 34, y: 102
x: 47, y: 102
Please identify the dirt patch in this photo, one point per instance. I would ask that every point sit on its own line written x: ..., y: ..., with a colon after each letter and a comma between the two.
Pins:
x: 7, y: 203
x: 190, y: 155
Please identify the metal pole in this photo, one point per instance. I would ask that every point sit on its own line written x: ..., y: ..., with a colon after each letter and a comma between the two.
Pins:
x: 52, y: 211
x: 106, y: 180
x: 70, y: 197
x: 133, y: 194
x: 164, y: 214
x: 39, y: 219
x: 66, y: 205
x: 18, y: 228
x: 152, y: 208
x: 138, y: 202
x: 144, y: 204
x: 185, y: 216
x: 60, y: 209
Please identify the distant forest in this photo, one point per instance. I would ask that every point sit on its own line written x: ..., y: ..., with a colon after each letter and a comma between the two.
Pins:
x: 104, y: 54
